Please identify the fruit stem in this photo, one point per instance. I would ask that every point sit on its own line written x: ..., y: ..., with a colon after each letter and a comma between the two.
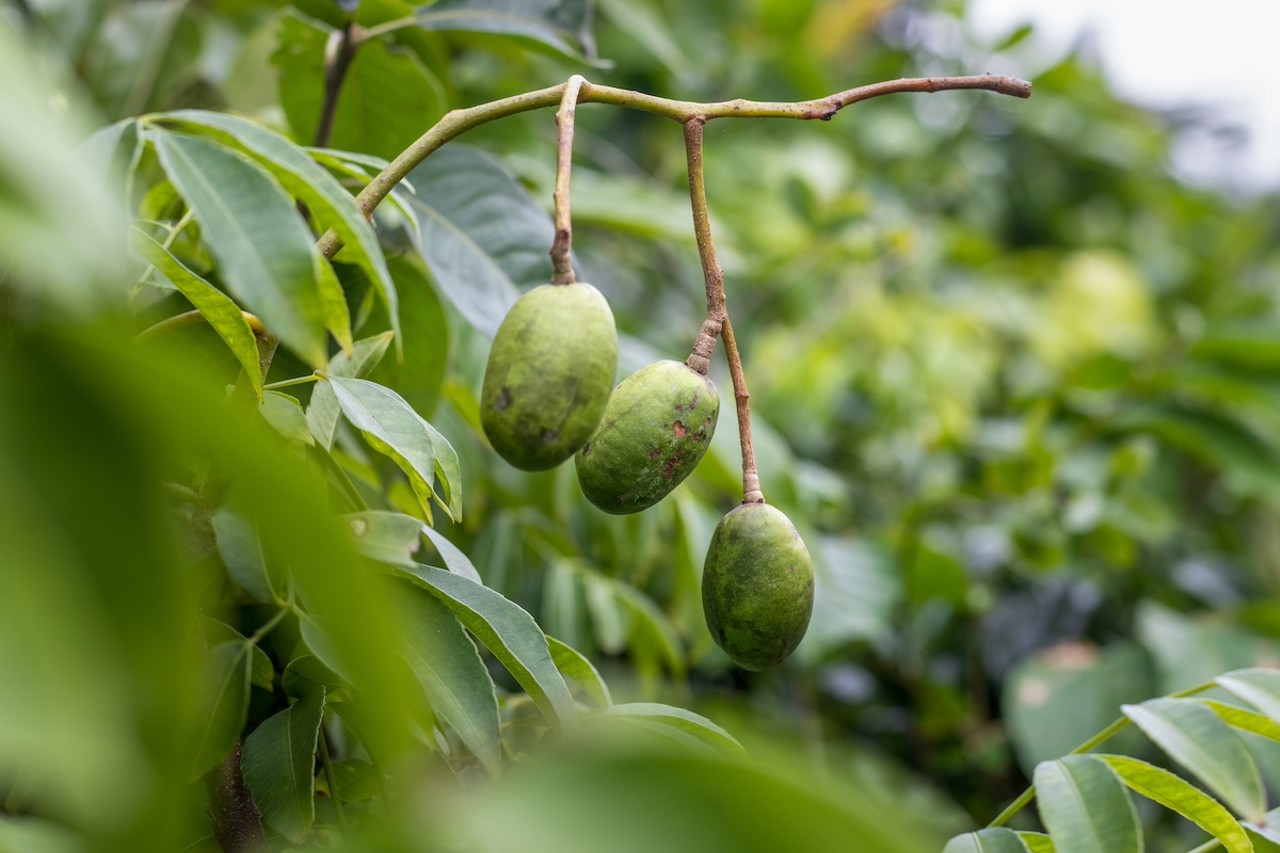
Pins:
x: 717, y: 321
x: 561, y: 260
x: 457, y: 122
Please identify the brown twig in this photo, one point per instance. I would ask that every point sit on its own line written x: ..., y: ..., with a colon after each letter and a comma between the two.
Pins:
x: 561, y: 259
x: 339, y: 53
x: 457, y: 122
x: 717, y: 311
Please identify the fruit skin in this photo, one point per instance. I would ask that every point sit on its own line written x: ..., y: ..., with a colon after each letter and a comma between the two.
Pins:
x: 757, y: 586
x: 549, y: 373
x: 654, y: 431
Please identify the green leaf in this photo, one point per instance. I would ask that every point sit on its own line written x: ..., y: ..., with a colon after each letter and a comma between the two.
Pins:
x: 575, y: 665
x: 507, y: 631
x: 482, y: 234
x: 285, y: 415
x: 222, y: 314
x: 279, y: 765
x: 1198, y: 740
x: 990, y: 840
x: 323, y: 410
x: 264, y: 252
x: 223, y: 701
x: 337, y: 316
x: 1085, y: 807
x: 1243, y: 719
x: 1175, y: 793
x: 419, y: 375
x: 388, y: 98
x: 562, y: 25
x: 454, y: 560
x: 262, y: 673
x: 363, y: 168
x: 306, y: 675
x: 457, y: 685
x: 355, y: 779
x: 396, y: 430
x: 388, y: 537
x: 680, y: 719
x: 326, y: 199
x: 238, y: 546
x: 1259, y: 687
x: 1037, y: 842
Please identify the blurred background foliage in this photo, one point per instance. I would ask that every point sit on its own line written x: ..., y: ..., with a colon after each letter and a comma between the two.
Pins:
x: 1017, y: 386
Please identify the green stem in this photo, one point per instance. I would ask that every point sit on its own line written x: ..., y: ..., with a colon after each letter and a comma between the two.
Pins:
x: 1090, y: 744
x: 457, y: 122
x: 268, y: 626
x: 288, y: 383
x: 168, y: 243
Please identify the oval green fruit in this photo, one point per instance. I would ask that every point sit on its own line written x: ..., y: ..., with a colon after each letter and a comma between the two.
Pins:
x: 549, y: 374
x: 757, y: 586
x: 654, y: 431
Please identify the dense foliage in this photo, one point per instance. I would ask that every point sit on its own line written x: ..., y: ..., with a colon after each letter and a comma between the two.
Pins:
x: 1015, y: 385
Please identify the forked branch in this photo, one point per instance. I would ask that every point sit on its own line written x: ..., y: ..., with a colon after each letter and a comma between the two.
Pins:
x: 457, y: 122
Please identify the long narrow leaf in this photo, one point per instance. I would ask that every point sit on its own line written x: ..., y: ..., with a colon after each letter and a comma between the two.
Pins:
x: 452, y: 674
x: 306, y: 179
x: 575, y: 665
x: 1244, y: 720
x: 681, y: 719
x: 1259, y: 687
x: 1197, y: 739
x: 323, y: 410
x: 264, y: 251
x: 1085, y: 806
x: 279, y: 765
x: 223, y: 700
x: 218, y: 310
x: 992, y: 840
x: 508, y: 631
x: 396, y: 430
x: 1175, y: 793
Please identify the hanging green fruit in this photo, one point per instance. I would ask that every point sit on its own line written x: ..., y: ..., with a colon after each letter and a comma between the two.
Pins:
x: 549, y: 373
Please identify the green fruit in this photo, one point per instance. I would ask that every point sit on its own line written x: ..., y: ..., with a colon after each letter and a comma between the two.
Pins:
x: 549, y: 374
x: 757, y: 586
x: 655, y: 430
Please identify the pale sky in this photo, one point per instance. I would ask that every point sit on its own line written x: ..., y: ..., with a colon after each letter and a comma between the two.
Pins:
x: 1169, y: 53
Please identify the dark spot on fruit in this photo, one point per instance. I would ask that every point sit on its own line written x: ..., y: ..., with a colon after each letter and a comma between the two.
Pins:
x: 679, y: 429
x: 693, y: 404
x: 550, y: 436
x: 586, y: 449
x: 503, y: 401
x: 670, y: 468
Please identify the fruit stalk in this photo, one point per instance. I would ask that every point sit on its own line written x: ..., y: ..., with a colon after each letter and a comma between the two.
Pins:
x: 561, y: 260
x: 717, y: 311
